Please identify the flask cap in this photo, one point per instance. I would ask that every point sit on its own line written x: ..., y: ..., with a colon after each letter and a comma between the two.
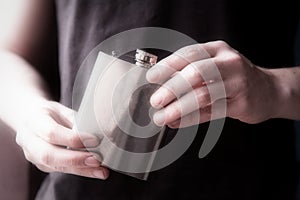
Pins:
x: 145, y: 59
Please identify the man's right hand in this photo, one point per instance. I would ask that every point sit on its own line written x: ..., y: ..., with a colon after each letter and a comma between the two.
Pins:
x: 45, y: 135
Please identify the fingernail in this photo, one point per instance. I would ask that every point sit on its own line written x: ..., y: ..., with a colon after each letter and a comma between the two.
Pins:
x: 159, y: 118
x: 91, y: 142
x: 156, y: 100
x: 100, y: 174
x: 92, y: 162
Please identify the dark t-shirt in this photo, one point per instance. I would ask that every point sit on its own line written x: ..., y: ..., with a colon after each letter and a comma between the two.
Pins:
x: 249, y: 161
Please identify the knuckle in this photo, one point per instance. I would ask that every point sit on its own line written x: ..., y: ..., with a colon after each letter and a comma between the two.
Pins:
x: 203, y: 97
x: 50, y: 135
x: 74, y: 140
x: 189, y: 52
x: 194, y: 74
x: 237, y: 58
x: 221, y: 43
x: 46, y: 158
x: 47, y: 108
x: 169, y: 89
x: 74, y: 161
x: 174, y: 111
x: 234, y: 58
x: 199, y: 92
x: 183, y: 50
x: 206, y: 110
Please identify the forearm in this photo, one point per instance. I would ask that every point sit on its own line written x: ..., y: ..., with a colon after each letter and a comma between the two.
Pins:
x: 288, y: 84
x: 24, y: 28
x: 21, y: 87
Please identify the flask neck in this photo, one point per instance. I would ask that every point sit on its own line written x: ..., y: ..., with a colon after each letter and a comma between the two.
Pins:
x: 144, y: 59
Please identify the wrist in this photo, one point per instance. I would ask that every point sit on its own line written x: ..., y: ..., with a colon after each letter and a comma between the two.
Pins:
x: 284, y: 89
x: 20, y: 109
x: 279, y: 92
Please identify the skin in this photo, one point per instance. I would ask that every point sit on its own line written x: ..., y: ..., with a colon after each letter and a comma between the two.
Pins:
x: 252, y: 94
x: 44, y: 127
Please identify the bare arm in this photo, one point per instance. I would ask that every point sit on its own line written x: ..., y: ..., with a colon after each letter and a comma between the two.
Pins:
x: 288, y: 81
x: 20, y: 82
x: 44, y: 127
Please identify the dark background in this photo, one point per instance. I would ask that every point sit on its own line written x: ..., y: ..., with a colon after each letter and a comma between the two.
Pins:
x: 297, y: 124
x: 297, y: 62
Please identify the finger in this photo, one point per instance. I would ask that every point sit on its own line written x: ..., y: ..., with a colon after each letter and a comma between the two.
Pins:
x: 183, y: 106
x: 48, y: 125
x: 198, y: 98
x: 183, y: 57
x: 194, y: 75
x: 202, y: 115
x: 63, y: 115
x: 54, y: 133
x: 176, y: 62
x: 58, y: 158
x: 50, y: 158
x: 40, y: 152
x: 97, y: 172
x: 192, y: 118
